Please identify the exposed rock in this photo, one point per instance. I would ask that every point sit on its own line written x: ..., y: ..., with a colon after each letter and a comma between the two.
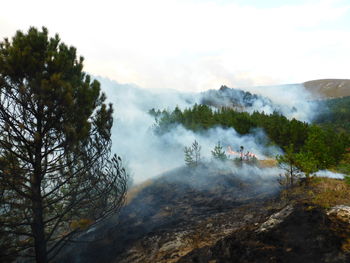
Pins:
x: 276, y: 219
x: 341, y: 213
x: 303, y: 234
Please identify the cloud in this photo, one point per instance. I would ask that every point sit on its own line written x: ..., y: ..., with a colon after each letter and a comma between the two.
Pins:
x: 172, y: 44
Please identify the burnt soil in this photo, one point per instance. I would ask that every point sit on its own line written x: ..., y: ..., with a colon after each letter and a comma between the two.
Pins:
x: 211, y: 215
x: 198, y: 203
x: 306, y: 235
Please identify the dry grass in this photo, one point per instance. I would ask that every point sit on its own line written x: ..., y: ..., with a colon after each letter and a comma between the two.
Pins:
x: 322, y: 191
x: 135, y: 190
x: 325, y: 192
x: 81, y: 223
x: 346, y: 245
x: 329, y: 88
x: 267, y: 163
x: 328, y: 192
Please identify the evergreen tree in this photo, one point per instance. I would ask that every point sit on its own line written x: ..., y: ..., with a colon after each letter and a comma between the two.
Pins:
x: 288, y: 162
x: 189, y: 160
x: 55, y: 143
x: 326, y: 147
x: 218, y: 153
x: 193, y: 154
x: 307, y: 164
x: 196, y: 152
x: 316, y: 146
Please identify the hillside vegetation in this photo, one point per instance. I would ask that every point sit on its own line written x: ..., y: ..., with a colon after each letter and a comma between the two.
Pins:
x: 323, y: 147
x: 224, y: 211
x: 335, y: 113
x: 328, y: 88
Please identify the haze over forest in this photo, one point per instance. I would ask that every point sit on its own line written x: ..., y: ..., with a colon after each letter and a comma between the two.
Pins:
x: 134, y: 136
x: 239, y: 44
x: 175, y: 131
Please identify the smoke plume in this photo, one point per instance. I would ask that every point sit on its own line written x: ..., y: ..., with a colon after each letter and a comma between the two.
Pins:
x: 327, y: 173
x: 293, y: 100
x: 149, y: 155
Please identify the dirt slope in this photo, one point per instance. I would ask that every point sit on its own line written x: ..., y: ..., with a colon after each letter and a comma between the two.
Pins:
x: 328, y: 88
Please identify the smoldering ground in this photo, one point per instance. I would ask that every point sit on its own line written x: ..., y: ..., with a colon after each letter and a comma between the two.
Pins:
x: 148, y: 154
x: 179, y: 201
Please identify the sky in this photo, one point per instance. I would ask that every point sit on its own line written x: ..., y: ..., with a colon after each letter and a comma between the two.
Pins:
x: 194, y: 45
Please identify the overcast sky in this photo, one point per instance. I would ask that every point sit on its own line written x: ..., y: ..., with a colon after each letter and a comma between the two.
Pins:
x: 196, y: 45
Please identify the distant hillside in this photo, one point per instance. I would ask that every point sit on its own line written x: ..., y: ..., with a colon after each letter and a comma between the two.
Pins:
x: 237, y: 99
x: 335, y: 113
x: 267, y: 99
x: 329, y: 88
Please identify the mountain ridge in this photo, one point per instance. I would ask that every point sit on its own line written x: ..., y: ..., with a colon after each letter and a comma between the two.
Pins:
x: 328, y: 88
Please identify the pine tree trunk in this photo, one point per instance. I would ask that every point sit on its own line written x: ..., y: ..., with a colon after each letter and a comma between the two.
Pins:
x: 38, y: 227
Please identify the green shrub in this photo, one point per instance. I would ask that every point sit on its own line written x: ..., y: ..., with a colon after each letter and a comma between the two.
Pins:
x: 347, y: 180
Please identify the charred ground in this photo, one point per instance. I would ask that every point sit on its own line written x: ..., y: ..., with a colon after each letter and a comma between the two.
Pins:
x: 176, y: 213
x: 306, y: 235
x: 212, y: 214
x: 314, y: 226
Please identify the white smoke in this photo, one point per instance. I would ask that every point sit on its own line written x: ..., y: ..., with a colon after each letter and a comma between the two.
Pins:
x: 149, y: 155
x: 293, y: 101
x: 329, y: 174
x: 204, y: 177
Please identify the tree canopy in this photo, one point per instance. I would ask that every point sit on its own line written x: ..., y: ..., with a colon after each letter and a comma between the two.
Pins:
x: 55, y: 146
x: 218, y: 152
x: 323, y: 147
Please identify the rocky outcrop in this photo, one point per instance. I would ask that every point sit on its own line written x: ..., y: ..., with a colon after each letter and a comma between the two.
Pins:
x: 302, y: 234
x: 275, y: 219
x: 340, y: 213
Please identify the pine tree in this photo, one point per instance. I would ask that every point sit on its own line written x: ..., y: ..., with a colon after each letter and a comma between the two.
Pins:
x: 55, y: 145
x: 307, y: 164
x: 193, y: 154
x: 189, y: 160
x: 196, y: 152
x: 288, y: 162
x: 218, y: 153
